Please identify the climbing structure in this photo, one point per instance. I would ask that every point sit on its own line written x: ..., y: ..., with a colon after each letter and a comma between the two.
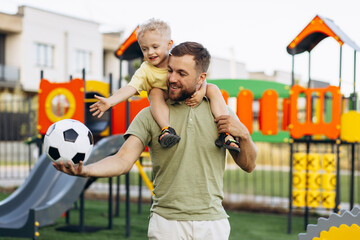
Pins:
x: 314, y: 176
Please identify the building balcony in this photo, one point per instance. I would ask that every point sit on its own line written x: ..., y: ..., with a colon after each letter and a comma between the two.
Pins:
x: 9, y: 76
x: 10, y: 23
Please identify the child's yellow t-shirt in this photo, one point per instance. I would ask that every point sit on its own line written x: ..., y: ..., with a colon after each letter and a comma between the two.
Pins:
x: 148, y: 77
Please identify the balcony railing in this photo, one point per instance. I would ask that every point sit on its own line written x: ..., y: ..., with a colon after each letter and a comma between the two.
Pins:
x: 9, y: 74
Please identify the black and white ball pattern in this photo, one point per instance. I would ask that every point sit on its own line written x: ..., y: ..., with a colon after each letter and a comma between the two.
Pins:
x: 68, y: 140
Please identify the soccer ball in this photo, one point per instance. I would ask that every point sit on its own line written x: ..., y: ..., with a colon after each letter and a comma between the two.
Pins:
x: 68, y: 140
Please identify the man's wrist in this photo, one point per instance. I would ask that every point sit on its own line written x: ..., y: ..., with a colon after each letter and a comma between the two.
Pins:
x: 85, y: 172
x: 244, y: 137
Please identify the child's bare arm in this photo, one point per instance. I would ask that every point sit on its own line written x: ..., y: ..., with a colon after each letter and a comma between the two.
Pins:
x: 100, y: 107
x: 197, y: 97
x: 217, y: 102
x: 159, y: 108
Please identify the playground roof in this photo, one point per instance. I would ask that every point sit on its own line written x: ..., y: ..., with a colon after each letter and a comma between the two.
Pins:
x: 130, y: 48
x: 318, y: 29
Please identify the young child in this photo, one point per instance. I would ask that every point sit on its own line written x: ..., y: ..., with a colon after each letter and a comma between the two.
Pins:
x: 154, y: 38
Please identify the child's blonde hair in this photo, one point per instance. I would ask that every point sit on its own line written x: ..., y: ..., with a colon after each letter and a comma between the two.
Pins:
x: 155, y: 25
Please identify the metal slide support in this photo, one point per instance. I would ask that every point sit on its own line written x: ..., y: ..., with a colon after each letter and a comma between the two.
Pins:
x: 110, y: 200
x: 127, y: 204
x: 117, y: 201
x: 82, y: 203
x: 110, y: 204
x: 140, y: 190
x: 127, y: 181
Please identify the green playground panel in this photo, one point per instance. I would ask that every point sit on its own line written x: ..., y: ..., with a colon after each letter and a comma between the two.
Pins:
x: 281, y: 137
x: 257, y: 87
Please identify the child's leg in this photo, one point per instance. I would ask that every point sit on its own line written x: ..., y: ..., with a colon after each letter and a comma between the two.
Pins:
x: 218, y: 108
x: 159, y: 108
x: 161, y: 114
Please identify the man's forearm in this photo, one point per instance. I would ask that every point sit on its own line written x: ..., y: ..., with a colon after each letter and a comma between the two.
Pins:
x: 246, y: 159
x: 108, y: 167
x: 115, y: 165
x: 119, y: 163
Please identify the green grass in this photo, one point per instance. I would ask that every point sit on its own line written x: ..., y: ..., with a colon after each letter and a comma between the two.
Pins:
x: 261, y: 226
x: 244, y: 225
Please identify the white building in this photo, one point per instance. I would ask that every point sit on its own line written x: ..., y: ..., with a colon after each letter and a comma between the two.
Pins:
x: 33, y: 40
x: 221, y: 68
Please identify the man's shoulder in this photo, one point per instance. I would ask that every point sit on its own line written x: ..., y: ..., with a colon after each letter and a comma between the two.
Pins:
x: 141, y: 126
x: 145, y: 112
x: 143, y: 119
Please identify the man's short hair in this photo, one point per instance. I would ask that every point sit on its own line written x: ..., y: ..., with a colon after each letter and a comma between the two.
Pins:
x: 155, y: 25
x: 201, y: 55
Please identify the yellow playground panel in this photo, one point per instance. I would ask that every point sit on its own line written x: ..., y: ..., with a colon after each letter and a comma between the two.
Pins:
x: 314, y: 180
x: 350, y: 127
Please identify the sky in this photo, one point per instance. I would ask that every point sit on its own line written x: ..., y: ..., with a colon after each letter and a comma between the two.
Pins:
x: 254, y: 32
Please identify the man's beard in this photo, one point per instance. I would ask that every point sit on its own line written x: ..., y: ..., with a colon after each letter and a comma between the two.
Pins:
x: 184, y: 94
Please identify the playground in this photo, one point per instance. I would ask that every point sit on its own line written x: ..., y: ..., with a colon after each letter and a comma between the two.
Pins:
x: 307, y: 167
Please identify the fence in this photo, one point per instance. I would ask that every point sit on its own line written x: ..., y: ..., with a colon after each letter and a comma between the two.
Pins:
x: 17, y: 124
x: 266, y: 187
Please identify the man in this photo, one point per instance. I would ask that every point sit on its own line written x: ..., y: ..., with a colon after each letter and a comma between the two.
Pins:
x: 188, y: 178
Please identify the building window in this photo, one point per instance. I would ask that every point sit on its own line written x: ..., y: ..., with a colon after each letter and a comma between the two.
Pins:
x: 83, y: 60
x: 44, y: 55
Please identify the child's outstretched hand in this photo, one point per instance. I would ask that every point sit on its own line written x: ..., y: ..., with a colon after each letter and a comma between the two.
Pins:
x: 100, y: 107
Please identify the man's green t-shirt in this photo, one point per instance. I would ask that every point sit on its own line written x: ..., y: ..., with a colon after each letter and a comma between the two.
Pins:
x: 188, y: 177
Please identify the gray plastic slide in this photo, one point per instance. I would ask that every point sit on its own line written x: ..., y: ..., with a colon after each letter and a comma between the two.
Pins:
x: 47, y: 193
